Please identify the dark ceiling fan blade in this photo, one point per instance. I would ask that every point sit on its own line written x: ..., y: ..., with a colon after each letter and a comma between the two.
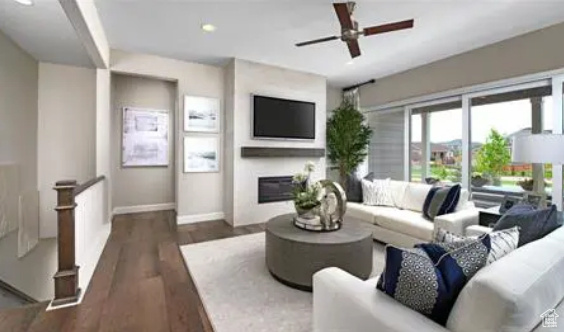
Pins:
x: 315, y: 41
x: 388, y: 27
x: 354, y: 49
x: 342, y: 10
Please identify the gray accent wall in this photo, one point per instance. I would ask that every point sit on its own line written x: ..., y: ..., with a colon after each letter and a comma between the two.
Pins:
x: 531, y: 53
x: 386, y: 152
x: 141, y: 185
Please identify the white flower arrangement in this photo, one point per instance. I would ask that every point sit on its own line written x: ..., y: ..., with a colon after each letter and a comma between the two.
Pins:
x: 306, y: 195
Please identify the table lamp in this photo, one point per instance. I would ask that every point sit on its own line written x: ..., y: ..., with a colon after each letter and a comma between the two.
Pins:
x: 540, y: 149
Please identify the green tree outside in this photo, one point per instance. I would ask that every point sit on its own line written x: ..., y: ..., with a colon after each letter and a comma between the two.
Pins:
x: 493, y: 156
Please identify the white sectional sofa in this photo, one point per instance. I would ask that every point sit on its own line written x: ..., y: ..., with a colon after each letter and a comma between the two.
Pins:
x: 404, y: 224
x: 509, y: 295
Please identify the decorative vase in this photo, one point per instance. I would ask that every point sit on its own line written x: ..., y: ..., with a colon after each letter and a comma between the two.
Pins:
x: 328, y: 215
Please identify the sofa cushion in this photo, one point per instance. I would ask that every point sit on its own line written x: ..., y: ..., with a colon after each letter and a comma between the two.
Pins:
x: 406, y: 222
x: 415, y: 194
x: 463, y: 200
x: 534, y: 223
x: 398, y: 192
x: 360, y: 211
x: 427, y: 285
x: 517, y: 289
x: 441, y: 200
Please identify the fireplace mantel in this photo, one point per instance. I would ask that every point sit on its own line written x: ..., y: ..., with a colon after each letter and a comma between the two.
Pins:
x: 268, y: 152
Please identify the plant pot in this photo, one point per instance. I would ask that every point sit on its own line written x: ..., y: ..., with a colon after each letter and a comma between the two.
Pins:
x: 478, y: 181
x: 307, y: 212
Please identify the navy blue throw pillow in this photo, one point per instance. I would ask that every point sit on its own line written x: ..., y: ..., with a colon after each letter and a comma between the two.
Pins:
x: 534, y: 224
x: 441, y: 200
x: 429, y: 278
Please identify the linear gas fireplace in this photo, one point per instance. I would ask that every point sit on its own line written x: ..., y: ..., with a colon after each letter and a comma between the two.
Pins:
x: 274, y: 189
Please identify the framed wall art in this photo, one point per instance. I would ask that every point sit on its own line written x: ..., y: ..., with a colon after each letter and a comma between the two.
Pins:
x: 145, y: 137
x: 201, y: 114
x: 201, y: 154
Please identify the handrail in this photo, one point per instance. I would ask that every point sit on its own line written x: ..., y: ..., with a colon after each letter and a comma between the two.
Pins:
x: 66, y: 278
x: 82, y: 187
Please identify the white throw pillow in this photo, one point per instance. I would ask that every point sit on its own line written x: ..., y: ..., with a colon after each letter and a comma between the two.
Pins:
x: 377, y: 193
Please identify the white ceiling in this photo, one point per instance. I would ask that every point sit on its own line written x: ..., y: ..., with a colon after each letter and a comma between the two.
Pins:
x: 44, y: 31
x: 266, y: 30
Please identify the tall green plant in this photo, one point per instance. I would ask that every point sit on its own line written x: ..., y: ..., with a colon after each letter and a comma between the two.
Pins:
x: 348, y: 138
x: 493, y: 155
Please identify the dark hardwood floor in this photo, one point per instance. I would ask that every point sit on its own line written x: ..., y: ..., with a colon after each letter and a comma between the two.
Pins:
x: 140, y: 284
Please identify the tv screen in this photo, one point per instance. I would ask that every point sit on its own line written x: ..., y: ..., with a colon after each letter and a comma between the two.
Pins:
x: 283, y: 118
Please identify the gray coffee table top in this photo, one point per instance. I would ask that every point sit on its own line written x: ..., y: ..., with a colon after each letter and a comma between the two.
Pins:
x: 353, y: 230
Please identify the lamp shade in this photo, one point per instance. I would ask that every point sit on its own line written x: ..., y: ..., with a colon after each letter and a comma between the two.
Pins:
x: 538, y: 149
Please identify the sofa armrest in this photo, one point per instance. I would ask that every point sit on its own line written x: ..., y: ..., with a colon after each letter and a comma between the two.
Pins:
x: 342, y: 303
x: 458, y: 221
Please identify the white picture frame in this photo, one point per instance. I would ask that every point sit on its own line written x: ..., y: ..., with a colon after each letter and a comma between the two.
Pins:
x: 201, y: 154
x: 145, y: 137
x: 201, y: 114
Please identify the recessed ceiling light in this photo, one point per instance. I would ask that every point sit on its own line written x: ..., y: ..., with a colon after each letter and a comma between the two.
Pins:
x: 208, y: 27
x: 350, y: 63
x: 24, y: 2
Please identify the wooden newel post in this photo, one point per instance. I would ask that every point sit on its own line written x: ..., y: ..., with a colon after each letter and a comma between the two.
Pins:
x: 66, y: 278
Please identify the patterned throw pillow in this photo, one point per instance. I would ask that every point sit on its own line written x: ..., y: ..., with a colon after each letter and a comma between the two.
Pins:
x: 429, y: 286
x: 500, y: 243
x: 441, y: 200
x: 377, y: 192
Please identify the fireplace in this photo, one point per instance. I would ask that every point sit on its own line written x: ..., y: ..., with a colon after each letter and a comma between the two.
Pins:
x: 274, y: 189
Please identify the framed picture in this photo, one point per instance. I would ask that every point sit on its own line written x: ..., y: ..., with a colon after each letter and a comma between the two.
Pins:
x: 201, y: 154
x: 144, y: 137
x: 535, y: 199
x: 508, y: 202
x: 201, y: 114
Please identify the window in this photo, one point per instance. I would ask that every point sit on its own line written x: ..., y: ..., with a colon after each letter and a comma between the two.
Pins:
x: 495, y: 121
x: 436, y: 143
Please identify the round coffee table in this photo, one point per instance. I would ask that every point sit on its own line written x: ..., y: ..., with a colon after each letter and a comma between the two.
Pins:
x: 293, y: 255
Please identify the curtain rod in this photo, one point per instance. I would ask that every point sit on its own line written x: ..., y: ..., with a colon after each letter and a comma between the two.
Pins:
x: 358, y: 85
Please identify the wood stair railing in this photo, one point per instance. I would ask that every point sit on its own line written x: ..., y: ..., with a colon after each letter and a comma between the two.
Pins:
x: 66, y: 278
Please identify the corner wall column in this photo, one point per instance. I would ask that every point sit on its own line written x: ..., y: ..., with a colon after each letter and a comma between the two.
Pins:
x: 66, y: 278
x: 537, y: 117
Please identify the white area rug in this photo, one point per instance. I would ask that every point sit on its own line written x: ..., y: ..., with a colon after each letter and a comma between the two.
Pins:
x: 239, y: 293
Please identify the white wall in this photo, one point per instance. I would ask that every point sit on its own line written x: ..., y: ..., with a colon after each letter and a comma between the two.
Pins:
x: 253, y: 78
x: 531, y: 53
x: 103, y: 133
x: 66, y: 135
x: 139, y: 186
x: 197, y: 194
x: 334, y: 98
x: 33, y: 273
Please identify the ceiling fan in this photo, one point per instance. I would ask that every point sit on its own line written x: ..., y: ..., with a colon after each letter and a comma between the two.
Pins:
x: 350, y: 30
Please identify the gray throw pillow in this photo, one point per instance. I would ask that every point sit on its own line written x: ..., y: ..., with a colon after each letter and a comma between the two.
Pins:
x: 534, y: 224
x: 354, y: 187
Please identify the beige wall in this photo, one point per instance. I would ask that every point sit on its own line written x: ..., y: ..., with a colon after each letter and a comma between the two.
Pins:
x: 33, y: 273
x: 141, y: 185
x: 535, y: 52
x: 67, y: 133
x: 198, y: 195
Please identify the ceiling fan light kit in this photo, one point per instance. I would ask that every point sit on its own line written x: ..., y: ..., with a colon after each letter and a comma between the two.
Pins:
x: 350, y: 31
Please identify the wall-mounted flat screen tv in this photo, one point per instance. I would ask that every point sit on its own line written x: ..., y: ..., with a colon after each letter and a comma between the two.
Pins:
x: 278, y: 118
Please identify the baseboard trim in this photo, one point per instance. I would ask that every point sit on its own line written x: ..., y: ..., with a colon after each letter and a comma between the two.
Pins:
x: 143, y: 208
x: 194, y: 218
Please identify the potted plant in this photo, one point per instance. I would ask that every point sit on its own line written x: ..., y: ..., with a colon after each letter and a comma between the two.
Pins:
x: 478, y: 180
x: 348, y: 138
x: 306, y: 195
